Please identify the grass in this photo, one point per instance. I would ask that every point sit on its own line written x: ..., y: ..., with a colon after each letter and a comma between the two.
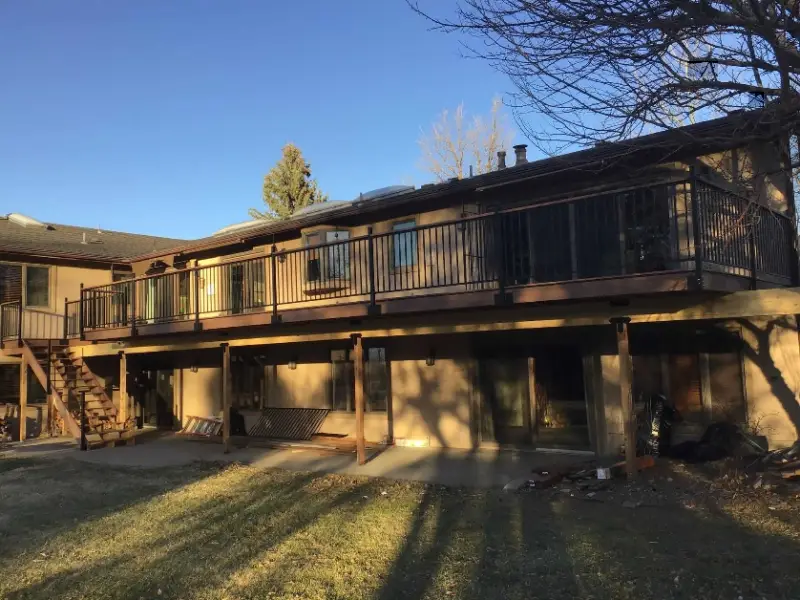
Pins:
x: 75, y: 530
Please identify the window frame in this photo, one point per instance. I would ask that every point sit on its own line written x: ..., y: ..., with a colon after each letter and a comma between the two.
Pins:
x: 323, y: 256
x: 25, y: 281
x: 398, y: 234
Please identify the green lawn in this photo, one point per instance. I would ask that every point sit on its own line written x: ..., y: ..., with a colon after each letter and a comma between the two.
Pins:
x: 74, y: 530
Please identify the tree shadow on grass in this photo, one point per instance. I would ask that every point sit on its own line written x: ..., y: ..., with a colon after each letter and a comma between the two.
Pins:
x: 48, y: 497
x: 191, y: 552
x: 545, y: 545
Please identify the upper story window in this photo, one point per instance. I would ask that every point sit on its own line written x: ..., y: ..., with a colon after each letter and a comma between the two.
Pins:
x: 404, y: 242
x: 10, y: 283
x: 331, y: 261
x: 37, y: 286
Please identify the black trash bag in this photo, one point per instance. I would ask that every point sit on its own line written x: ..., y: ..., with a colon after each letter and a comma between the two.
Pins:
x: 720, y: 440
x: 237, y: 423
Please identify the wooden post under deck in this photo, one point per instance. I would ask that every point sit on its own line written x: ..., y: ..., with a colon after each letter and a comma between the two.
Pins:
x: 358, y: 396
x: 626, y: 397
x: 226, y: 398
x: 124, y: 405
x: 23, y: 398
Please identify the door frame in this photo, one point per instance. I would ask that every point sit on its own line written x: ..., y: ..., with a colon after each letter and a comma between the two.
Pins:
x: 528, y: 410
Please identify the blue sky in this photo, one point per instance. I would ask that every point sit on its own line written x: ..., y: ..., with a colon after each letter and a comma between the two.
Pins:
x: 162, y: 117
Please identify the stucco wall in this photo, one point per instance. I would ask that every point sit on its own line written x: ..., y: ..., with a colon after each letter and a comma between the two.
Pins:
x: 433, y: 403
x: 68, y: 283
x: 303, y: 387
x: 202, y: 392
x: 36, y: 415
x: 772, y: 378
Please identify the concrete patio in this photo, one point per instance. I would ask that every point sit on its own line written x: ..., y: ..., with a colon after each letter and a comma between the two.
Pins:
x: 481, y: 468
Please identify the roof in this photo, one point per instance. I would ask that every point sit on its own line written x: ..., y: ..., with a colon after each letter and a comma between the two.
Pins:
x: 22, y: 235
x: 673, y: 144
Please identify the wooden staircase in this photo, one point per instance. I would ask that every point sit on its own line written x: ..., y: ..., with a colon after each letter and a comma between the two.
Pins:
x: 70, y: 379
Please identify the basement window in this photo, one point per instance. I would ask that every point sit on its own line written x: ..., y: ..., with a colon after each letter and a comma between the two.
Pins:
x: 37, y: 286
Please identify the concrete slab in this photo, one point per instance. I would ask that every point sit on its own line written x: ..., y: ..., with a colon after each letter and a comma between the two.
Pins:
x: 484, y: 468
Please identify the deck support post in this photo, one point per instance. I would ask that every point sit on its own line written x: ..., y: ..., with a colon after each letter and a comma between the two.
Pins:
x: 123, y: 414
x: 226, y: 398
x: 358, y: 396
x: 23, y: 397
x: 626, y: 397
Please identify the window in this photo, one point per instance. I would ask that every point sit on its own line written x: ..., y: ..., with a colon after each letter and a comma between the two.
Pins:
x: 247, y: 379
x: 338, y: 263
x: 404, y: 243
x: 331, y: 261
x: 376, y: 372
x: 37, y: 286
x: 313, y: 264
x: 10, y: 283
x: 342, y: 381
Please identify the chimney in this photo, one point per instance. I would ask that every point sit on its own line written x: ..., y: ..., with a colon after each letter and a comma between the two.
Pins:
x: 501, y: 159
x: 521, y: 151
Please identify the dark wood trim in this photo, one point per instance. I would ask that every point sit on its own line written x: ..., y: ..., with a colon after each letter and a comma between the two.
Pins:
x: 23, y: 396
x: 626, y: 397
x: 671, y: 281
x: 527, y: 302
x: 227, y: 389
x: 358, y: 396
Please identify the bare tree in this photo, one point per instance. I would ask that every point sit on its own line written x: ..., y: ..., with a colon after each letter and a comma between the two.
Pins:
x: 613, y: 69
x: 456, y: 142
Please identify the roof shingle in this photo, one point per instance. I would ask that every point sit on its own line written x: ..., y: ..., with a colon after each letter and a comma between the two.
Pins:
x: 78, y: 243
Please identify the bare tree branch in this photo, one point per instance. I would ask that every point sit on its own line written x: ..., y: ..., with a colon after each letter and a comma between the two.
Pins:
x: 452, y: 142
x: 613, y: 69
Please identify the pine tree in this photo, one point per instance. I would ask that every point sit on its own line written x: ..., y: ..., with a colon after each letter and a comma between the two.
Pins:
x: 288, y: 187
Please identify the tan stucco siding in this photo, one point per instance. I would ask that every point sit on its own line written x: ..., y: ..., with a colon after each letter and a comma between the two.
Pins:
x: 432, y: 404
x: 304, y: 386
x: 202, y: 393
x: 772, y: 378
x: 67, y: 283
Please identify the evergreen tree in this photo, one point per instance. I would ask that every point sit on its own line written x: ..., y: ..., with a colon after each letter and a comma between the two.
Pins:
x: 288, y: 187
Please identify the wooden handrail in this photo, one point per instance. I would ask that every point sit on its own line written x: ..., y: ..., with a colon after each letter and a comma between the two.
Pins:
x: 41, y: 376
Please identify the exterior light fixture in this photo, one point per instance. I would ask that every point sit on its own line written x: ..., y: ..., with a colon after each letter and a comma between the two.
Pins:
x: 431, y: 359
x: 193, y: 368
x: 293, y: 364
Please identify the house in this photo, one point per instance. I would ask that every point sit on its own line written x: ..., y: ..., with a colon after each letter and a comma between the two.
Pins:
x: 473, y: 313
x: 42, y: 267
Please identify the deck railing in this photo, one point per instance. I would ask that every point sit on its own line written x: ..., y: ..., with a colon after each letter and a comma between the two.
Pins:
x: 19, y: 323
x: 675, y: 226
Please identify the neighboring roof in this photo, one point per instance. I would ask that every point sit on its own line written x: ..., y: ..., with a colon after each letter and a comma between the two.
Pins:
x: 674, y: 144
x: 22, y: 235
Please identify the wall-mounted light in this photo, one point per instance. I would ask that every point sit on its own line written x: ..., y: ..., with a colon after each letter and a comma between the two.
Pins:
x: 293, y: 364
x: 193, y: 368
x: 431, y: 359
